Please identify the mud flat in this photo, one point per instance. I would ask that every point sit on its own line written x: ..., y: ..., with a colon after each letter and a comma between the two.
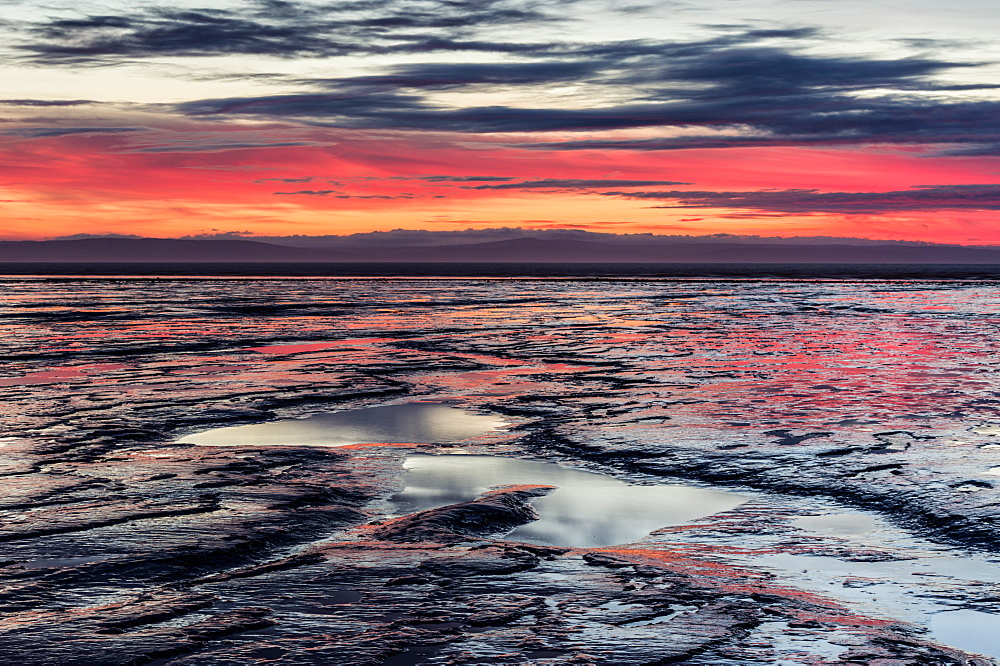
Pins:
x: 826, y: 451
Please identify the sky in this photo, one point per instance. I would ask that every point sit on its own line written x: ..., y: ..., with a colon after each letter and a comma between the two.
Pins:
x: 865, y: 118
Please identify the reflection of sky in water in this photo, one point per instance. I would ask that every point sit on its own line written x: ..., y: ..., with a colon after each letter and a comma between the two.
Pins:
x: 909, y: 589
x: 730, y: 356
x: 721, y: 362
x: 837, y: 524
x: 585, y: 510
x: 410, y: 423
x: 970, y: 630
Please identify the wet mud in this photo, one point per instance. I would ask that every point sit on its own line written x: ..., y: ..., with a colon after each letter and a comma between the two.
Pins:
x: 858, y: 419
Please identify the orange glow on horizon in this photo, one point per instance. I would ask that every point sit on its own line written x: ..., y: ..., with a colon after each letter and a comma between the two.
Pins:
x: 348, y: 182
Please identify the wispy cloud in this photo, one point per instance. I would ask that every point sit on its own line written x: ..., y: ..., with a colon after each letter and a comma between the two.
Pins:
x: 220, y: 147
x: 305, y: 179
x: 311, y: 193
x: 743, y: 90
x: 45, y: 102
x: 744, y: 87
x: 278, y: 28
x: 572, y: 184
x: 941, y: 197
x: 464, y: 179
x: 338, y: 194
x: 43, y: 132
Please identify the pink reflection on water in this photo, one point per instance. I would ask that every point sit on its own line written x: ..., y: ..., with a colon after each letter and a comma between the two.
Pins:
x: 799, y: 355
x: 313, y: 346
x: 74, y: 373
x: 45, y: 377
x: 498, y: 382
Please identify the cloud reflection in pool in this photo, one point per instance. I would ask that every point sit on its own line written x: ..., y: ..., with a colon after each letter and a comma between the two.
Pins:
x: 417, y: 423
x: 586, y: 509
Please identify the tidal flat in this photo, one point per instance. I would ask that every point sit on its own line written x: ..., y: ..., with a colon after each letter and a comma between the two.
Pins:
x: 239, y: 470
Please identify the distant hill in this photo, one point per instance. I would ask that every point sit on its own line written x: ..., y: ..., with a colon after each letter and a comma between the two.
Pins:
x: 526, y: 250
x: 164, y: 250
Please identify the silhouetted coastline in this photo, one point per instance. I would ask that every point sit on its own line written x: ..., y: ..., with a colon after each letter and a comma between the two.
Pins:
x: 686, y: 271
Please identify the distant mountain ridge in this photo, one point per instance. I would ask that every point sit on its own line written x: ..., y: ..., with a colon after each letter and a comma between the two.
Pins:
x: 518, y: 250
x: 427, y: 237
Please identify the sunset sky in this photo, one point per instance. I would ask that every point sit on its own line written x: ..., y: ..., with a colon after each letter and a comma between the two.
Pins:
x: 867, y: 118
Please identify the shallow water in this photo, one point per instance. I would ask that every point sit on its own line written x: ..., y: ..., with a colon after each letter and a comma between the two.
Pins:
x: 829, y: 388
x: 417, y: 423
x: 968, y: 629
x: 838, y: 524
x: 585, y: 510
x: 927, y: 590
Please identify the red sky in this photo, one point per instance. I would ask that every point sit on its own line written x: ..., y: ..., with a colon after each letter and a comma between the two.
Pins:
x: 262, y: 122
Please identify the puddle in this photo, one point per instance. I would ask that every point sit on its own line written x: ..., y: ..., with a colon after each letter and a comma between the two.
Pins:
x: 416, y: 423
x: 838, y: 524
x: 920, y: 590
x: 791, y: 648
x: 973, y: 631
x: 924, y: 583
x: 586, y: 510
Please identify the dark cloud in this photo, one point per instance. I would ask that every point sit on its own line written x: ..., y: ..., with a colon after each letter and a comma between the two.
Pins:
x: 404, y: 111
x: 453, y: 75
x: 702, y: 142
x: 775, y: 33
x: 306, y: 179
x: 817, y: 117
x: 45, y: 132
x: 219, y: 147
x: 312, y: 193
x: 770, y: 71
x: 104, y: 235
x: 220, y: 235
x: 974, y: 150
x: 464, y: 179
x: 337, y: 194
x: 741, y: 89
x: 958, y: 123
x: 171, y: 32
x: 572, y: 184
x: 356, y: 105
x: 939, y: 197
x: 271, y: 27
x: 46, y: 102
